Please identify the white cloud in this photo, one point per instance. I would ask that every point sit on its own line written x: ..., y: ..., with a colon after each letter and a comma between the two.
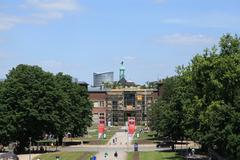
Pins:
x: 185, y: 39
x: 9, y: 21
x: 48, y: 16
x: 54, y: 5
x: 211, y: 19
x: 38, y: 12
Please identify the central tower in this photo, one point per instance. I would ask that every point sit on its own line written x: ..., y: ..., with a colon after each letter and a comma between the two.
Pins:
x: 122, y: 71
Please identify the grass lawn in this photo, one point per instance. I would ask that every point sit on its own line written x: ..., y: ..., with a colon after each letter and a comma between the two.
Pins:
x: 92, y: 136
x: 145, y: 137
x: 66, y: 156
x: 156, y: 156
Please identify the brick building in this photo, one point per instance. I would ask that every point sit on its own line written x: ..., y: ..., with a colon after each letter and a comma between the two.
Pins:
x: 116, y: 105
x: 122, y: 100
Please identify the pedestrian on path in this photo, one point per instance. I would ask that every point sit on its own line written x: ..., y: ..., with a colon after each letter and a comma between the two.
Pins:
x: 189, y: 151
x: 116, y: 155
x: 193, y: 151
x: 106, y: 156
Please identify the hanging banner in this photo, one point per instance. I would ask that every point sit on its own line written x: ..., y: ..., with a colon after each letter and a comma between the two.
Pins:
x: 101, y: 127
x: 131, y: 125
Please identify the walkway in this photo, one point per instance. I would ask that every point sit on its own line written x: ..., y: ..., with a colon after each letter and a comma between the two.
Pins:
x: 26, y: 156
x: 118, y: 141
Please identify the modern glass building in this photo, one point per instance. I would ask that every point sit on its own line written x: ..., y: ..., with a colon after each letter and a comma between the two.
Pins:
x: 100, y: 78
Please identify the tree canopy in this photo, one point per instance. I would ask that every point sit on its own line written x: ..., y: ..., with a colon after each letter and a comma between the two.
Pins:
x: 206, y: 98
x: 34, y: 102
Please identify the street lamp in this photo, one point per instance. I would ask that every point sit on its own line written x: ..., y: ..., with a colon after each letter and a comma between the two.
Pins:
x: 30, y: 145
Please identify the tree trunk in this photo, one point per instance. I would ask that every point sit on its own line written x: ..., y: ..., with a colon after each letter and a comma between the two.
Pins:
x: 60, y: 140
x: 20, y: 148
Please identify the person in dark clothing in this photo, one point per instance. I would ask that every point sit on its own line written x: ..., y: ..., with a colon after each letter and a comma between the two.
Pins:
x: 189, y: 151
x: 116, y: 154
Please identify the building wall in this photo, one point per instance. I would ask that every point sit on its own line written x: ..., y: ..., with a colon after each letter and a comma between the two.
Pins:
x: 99, y: 105
x: 118, y: 104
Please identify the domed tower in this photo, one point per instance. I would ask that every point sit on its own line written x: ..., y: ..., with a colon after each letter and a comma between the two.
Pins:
x: 122, y: 71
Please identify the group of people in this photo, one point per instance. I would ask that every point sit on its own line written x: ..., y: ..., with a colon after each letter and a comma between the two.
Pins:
x: 115, y: 140
x: 115, y: 155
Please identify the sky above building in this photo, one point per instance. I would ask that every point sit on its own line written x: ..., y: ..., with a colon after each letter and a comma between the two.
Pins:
x: 76, y: 37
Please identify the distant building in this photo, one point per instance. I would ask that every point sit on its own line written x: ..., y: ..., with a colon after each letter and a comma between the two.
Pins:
x: 116, y: 105
x: 123, y: 99
x: 100, y: 78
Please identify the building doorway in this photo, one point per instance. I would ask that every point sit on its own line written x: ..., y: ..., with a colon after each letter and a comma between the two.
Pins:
x: 129, y: 114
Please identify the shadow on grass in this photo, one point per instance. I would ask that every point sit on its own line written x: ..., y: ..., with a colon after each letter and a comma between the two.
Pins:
x: 178, y: 155
x: 182, y: 154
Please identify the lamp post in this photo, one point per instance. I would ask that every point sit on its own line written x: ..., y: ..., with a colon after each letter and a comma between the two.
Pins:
x: 30, y: 145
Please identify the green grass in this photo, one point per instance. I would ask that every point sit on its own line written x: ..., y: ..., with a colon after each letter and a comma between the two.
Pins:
x: 110, y: 132
x: 92, y: 136
x: 156, y: 156
x: 66, y: 155
x: 145, y: 137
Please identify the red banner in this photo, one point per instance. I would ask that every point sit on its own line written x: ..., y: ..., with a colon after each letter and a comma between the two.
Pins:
x: 101, y: 126
x: 131, y: 125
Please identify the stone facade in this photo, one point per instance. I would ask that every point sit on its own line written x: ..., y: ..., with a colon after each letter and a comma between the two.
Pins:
x: 116, y: 105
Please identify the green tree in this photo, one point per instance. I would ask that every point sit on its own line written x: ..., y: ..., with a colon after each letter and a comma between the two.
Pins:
x: 166, y: 116
x: 203, y: 100
x: 34, y: 102
x: 24, y: 104
x: 211, y: 107
x: 73, y: 108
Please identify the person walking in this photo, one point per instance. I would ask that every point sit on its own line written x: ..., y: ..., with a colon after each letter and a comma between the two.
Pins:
x: 116, y: 155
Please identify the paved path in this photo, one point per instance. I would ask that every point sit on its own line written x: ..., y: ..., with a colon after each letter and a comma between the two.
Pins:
x: 120, y: 139
x: 26, y: 156
x: 122, y: 145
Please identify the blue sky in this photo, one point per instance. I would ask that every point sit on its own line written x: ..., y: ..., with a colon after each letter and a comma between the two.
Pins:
x: 78, y: 37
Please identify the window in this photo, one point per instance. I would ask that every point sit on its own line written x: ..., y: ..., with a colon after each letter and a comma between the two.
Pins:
x: 129, y: 99
x: 101, y: 115
x: 114, y: 105
x: 102, y: 103
x: 96, y: 104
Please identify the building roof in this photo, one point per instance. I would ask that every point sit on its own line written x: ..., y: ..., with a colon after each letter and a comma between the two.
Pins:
x: 99, y: 89
x: 103, y: 73
x: 124, y: 82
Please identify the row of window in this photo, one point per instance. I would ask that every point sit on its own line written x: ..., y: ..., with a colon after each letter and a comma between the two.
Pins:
x: 127, y: 102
